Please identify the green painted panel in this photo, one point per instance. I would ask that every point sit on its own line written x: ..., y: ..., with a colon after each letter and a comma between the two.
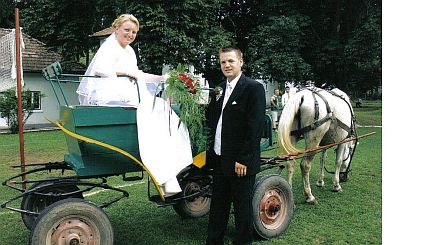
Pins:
x: 112, y: 125
x: 86, y: 116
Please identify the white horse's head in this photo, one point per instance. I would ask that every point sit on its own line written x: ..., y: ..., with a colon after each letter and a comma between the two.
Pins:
x: 347, y: 155
x: 348, y: 150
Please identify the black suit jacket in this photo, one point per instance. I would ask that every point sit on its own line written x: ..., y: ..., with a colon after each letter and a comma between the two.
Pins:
x: 242, y: 126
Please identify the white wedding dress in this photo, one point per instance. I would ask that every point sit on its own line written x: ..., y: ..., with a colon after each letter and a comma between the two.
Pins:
x: 164, y: 147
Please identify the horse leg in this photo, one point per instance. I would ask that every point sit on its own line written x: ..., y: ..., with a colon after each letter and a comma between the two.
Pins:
x: 290, y: 165
x: 320, y: 181
x: 306, y: 164
x: 339, y: 158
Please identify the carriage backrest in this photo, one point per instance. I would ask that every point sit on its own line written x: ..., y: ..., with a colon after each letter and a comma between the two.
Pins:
x: 54, y: 74
x: 52, y: 71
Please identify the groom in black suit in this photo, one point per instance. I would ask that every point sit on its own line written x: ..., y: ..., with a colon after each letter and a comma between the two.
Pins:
x: 236, y: 121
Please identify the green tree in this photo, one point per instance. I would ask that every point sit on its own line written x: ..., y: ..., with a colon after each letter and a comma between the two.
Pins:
x: 330, y: 47
x: 337, y: 42
x: 7, y: 13
x: 363, y: 55
x: 276, y: 62
x: 241, y: 17
x: 9, y: 107
x: 174, y: 32
x: 63, y: 25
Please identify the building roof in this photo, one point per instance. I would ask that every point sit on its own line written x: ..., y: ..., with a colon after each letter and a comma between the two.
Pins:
x: 36, y: 55
x: 103, y: 33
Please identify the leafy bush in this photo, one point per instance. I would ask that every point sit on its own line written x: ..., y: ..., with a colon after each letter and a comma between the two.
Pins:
x: 9, y: 107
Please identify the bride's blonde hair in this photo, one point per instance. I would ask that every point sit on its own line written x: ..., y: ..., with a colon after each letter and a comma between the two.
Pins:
x: 123, y: 18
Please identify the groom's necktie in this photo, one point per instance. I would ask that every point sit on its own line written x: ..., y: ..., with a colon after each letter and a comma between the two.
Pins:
x: 227, y: 94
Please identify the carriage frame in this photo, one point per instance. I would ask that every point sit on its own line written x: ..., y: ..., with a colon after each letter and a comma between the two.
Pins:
x: 51, y: 207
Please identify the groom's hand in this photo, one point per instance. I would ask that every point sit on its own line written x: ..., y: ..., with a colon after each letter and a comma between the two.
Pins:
x: 240, y: 169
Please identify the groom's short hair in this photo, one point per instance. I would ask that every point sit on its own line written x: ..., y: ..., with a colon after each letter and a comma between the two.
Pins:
x: 232, y: 48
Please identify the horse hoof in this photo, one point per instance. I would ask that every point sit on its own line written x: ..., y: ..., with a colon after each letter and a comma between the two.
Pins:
x: 337, y: 189
x: 320, y: 183
x: 312, y: 202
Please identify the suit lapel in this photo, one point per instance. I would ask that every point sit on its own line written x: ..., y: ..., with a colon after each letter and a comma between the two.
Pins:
x: 219, y: 102
x: 237, y: 90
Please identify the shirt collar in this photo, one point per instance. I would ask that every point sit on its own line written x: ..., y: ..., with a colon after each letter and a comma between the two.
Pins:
x: 234, y: 81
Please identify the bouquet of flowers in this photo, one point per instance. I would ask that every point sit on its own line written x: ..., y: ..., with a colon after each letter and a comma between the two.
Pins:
x: 183, y: 90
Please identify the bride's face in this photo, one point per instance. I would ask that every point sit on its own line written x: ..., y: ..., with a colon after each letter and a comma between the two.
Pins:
x: 126, y: 33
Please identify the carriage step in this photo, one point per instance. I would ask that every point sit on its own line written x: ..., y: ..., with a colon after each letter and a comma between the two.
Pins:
x: 132, y: 178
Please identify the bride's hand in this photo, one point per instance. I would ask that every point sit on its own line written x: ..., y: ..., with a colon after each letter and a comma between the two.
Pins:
x: 132, y: 76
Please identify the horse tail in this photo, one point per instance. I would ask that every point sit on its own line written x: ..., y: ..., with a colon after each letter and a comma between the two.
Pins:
x: 286, y: 123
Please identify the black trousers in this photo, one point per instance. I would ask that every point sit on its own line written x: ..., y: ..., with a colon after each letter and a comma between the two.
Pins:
x: 239, y: 192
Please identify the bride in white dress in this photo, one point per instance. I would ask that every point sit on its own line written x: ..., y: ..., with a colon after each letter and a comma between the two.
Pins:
x: 163, y: 153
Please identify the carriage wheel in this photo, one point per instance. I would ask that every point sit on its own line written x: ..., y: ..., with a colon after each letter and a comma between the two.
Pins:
x: 37, y: 203
x: 272, y: 205
x: 192, y: 207
x: 72, y: 221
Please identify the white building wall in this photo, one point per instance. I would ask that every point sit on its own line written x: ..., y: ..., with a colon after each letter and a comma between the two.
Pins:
x: 49, y: 104
x: 3, y: 123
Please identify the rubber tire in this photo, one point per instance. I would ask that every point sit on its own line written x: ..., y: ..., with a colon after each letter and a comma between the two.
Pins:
x: 263, y: 184
x: 72, y: 208
x: 187, y: 209
x: 37, y: 203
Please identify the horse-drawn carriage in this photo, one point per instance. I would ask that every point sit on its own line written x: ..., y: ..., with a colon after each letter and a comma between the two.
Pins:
x: 102, y: 142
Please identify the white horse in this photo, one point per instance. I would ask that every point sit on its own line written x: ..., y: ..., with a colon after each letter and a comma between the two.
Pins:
x: 322, y: 117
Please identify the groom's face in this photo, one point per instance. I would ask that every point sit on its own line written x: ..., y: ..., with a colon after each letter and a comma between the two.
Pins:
x: 231, y: 64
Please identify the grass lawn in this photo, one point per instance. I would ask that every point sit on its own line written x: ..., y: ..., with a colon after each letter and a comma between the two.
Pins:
x: 353, y: 216
x: 370, y: 113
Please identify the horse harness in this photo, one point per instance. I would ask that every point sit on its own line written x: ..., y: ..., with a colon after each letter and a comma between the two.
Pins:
x: 318, y: 122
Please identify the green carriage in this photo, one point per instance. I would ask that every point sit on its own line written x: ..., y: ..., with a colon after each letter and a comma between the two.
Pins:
x: 102, y: 142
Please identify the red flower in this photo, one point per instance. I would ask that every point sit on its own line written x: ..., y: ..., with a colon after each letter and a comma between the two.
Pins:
x: 189, y: 82
x: 182, y: 76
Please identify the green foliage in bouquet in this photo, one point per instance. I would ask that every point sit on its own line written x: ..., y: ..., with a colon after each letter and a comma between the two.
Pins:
x: 183, y: 89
